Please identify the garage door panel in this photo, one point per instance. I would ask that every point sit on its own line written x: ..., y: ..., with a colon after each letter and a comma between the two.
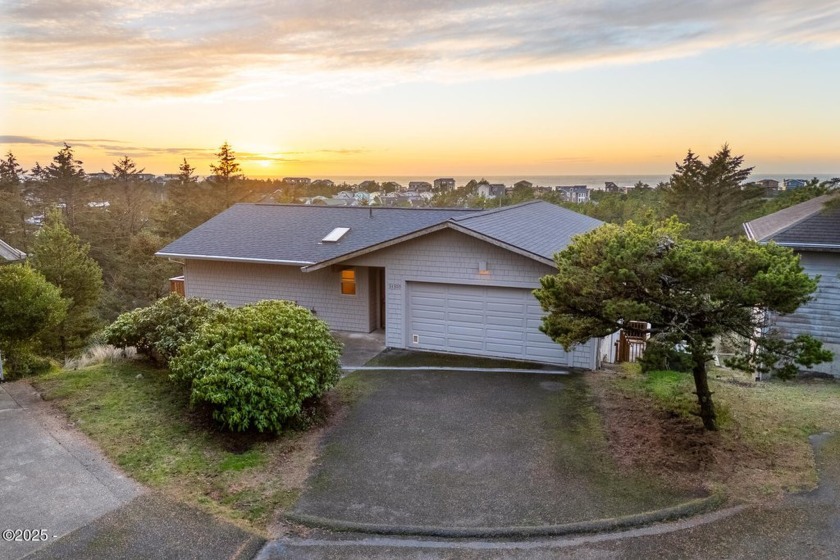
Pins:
x: 428, y: 315
x: 481, y: 320
x: 460, y: 330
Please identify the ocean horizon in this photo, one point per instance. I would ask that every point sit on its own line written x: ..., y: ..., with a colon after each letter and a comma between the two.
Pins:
x: 592, y: 181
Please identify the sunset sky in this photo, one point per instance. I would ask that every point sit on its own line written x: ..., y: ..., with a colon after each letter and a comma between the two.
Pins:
x: 433, y: 88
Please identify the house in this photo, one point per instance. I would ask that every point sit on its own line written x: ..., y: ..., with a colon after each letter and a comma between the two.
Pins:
x: 523, y: 185
x: 296, y: 181
x: 794, y: 183
x: 369, y: 185
x: 323, y: 183
x: 611, y: 187
x: 812, y: 229
x: 444, y: 184
x: 444, y: 280
x: 10, y: 255
x: 768, y: 184
x: 419, y: 186
x: 491, y: 191
x: 576, y: 193
x: 102, y: 176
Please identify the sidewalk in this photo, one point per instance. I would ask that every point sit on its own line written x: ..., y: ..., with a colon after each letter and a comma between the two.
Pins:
x: 51, y: 477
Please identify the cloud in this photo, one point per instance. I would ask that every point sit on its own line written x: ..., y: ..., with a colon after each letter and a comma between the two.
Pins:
x: 92, y: 49
x: 119, y: 148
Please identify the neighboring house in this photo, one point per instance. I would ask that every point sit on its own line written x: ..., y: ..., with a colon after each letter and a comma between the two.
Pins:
x: 419, y: 186
x: 445, y: 280
x: 491, y: 191
x: 9, y: 254
x: 297, y: 181
x: 323, y: 183
x: 794, y: 183
x: 812, y: 229
x: 611, y: 187
x: 768, y: 184
x: 576, y: 193
x: 523, y: 184
x: 369, y: 185
x: 444, y: 184
x: 99, y: 176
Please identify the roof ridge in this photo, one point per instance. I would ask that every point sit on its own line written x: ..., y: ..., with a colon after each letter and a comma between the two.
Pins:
x: 495, y: 210
x: 365, y: 207
x: 818, y: 209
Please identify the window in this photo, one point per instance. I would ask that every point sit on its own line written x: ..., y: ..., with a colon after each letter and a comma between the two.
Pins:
x: 348, y: 282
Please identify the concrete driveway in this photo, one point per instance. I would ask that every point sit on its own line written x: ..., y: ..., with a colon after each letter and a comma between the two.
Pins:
x: 472, y: 449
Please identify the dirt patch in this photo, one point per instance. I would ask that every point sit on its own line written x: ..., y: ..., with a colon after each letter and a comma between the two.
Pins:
x: 642, y: 435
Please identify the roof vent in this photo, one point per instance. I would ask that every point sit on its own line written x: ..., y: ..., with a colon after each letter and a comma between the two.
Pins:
x: 335, y: 235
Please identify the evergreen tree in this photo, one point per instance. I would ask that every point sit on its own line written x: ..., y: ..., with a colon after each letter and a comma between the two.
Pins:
x: 689, y: 291
x: 13, y: 209
x: 63, y: 183
x: 130, y: 198
x: 227, y: 172
x: 64, y: 261
x: 711, y: 197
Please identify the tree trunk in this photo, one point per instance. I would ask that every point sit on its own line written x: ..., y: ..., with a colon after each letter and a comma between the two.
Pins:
x: 704, y: 396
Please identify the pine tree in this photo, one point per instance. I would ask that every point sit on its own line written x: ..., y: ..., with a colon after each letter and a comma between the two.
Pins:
x: 227, y: 172
x: 63, y: 183
x: 711, y: 197
x: 13, y: 209
x: 64, y: 261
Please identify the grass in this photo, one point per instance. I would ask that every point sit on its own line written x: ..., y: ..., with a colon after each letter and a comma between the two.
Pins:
x: 762, y: 447
x: 143, y: 422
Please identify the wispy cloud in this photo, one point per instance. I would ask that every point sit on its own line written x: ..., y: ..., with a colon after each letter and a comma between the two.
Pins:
x: 119, y: 148
x: 100, y: 48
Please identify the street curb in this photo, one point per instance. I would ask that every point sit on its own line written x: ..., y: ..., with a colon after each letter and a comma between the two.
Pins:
x: 686, y: 509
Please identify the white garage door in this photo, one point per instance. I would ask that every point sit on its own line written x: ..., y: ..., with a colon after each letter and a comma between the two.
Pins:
x: 480, y: 320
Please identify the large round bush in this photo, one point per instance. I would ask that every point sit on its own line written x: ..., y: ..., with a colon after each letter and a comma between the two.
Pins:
x: 256, y: 365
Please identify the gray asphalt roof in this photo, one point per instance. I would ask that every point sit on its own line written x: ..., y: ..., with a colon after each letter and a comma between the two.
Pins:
x: 9, y: 253
x: 539, y: 228
x: 808, y: 224
x: 292, y: 233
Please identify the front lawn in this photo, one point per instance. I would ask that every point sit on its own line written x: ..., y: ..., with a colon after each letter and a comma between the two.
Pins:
x: 761, y: 451
x: 143, y: 422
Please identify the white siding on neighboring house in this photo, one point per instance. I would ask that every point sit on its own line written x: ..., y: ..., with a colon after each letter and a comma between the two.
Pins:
x: 820, y: 317
x: 240, y: 283
x: 449, y: 257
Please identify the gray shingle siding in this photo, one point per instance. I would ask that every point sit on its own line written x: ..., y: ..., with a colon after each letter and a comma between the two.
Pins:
x: 820, y: 317
x: 240, y: 283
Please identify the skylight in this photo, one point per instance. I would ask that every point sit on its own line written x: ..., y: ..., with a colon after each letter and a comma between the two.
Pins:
x: 335, y: 235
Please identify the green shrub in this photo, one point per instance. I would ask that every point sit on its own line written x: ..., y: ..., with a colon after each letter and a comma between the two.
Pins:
x: 19, y: 360
x: 256, y: 365
x: 663, y: 356
x: 158, y: 331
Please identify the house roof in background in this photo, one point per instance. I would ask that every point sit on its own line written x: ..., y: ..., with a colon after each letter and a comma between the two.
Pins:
x: 9, y: 253
x: 808, y: 225
x: 292, y: 234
